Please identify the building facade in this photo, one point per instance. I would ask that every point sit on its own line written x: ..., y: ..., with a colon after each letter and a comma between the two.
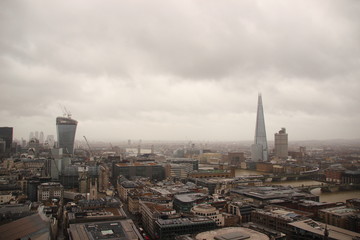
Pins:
x: 259, y: 150
x: 206, y: 210
x: 281, y: 144
x: 50, y: 190
x: 66, y: 130
x: 6, y: 135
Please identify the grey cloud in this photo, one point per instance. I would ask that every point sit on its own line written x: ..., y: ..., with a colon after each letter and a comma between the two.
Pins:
x: 171, y: 62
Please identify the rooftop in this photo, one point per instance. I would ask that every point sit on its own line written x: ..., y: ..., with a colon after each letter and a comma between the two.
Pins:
x: 190, y: 197
x: 122, y: 229
x: 232, y: 233
x: 183, y: 221
x: 340, y: 211
x: 319, y: 228
x: 32, y: 226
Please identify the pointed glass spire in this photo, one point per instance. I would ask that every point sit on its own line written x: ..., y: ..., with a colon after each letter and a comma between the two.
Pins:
x: 260, y: 134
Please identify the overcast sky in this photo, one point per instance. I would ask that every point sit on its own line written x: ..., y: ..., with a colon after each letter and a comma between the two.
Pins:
x: 181, y: 70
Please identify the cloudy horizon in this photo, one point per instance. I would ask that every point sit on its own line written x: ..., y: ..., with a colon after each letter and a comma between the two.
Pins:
x: 181, y: 70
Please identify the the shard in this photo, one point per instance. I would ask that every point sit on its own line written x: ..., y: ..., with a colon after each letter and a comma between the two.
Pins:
x: 259, y: 150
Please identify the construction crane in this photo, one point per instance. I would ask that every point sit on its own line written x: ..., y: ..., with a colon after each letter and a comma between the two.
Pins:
x: 66, y: 113
x: 90, y: 150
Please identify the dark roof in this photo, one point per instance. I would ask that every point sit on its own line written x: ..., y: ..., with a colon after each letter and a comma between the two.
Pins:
x: 25, y: 227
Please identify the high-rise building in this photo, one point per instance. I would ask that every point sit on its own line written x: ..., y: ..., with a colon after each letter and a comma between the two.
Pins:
x: 281, y: 144
x: 50, y: 140
x: 259, y: 150
x: 6, y: 134
x: 41, y: 137
x: 31, y: 135
x: 66, y: 129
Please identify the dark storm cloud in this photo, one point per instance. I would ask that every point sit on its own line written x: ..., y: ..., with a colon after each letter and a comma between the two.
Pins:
x: 167, y: 64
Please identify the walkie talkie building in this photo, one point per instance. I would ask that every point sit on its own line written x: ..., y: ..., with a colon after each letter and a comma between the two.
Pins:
x: 66, y: 129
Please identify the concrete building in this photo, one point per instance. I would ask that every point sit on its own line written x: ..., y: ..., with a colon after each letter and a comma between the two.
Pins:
x: 265, y: 194
x: 281, y: 144
x: 168, y: 229
x: 104, y: 209
x: 206, y: 210
x: 193, y: 162
x: 235, y: 158
x: 130, y: 170
x: 120, y: 229
x: 177, y: 170
x: 277, y: 218
x: 150, y: 212
x: 232, y: 233
x: 184, y: 202
x: 124, y: 188
x: 310, y: 229
x: 241, y: 209
x: 259, y: 150
x: 104, y: 178
x: 50, y: 190
x: 212, y: 174
x: 338, y: 216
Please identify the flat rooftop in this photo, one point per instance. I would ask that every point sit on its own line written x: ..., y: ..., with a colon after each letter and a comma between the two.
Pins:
x: 190, y: 197
x: 232, y: 233
x: 340, y: 211
x: 183, y: 221
x: 120, y: 230
x: 319, y: 228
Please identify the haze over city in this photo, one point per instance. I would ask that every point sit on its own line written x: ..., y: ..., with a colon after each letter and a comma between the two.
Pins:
x: 181, y: 70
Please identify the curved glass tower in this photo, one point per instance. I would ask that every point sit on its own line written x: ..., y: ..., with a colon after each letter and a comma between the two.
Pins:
x: 66, y: 129
x: 259, y: 150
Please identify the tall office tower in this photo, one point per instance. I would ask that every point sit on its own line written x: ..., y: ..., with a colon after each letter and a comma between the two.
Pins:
x: 259, y: 150
x: 66, y: 129
x: 41, y: 138
x: 6, y: 134
x: 50, y: 140
x: 281, y: 144
x: 37, y: 135
x: 31, y: 136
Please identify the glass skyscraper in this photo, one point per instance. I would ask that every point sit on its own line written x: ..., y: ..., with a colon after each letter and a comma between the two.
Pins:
x: 66, y: 129
x: 259, y: 150
x: 6, y: 135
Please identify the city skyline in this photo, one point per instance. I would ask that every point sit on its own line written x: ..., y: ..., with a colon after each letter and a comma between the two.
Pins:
x: 181, y: 70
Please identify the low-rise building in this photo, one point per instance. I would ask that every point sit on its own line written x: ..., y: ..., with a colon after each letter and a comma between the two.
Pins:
x: 265, y: 194
x: 168, y: 229
x: 151, y: 212
x: 277, y: 218
x: 206, y: 210
x: 124, y: 188
x: 184, y: 202
x: 232, y: 233
x: 310, y: 229
x: 118, y: 229
x: 241, y: 209
x: 338, y: 216
x: 50, y: 190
